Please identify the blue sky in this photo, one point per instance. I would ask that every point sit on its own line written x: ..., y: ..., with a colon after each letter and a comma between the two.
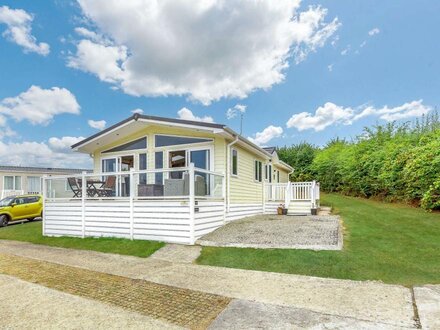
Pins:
x: 363, y: 62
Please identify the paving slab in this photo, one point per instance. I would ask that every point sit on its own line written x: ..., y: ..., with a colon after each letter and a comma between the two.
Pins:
x: 30, y: 306
x: 367, y: 301
x: 244, y: 314
x: 178, y: 253
x: 281, y: 232
x: 183, y: 307
x: 428, y: 304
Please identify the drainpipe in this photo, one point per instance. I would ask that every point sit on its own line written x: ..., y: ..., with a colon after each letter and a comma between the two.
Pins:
x: 228, y: 170
x: 288, y: 175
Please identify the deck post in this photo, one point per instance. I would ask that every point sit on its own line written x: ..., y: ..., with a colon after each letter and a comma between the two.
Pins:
x: 44, y: 194
x: 132, y: 191
x: 83, y: 203
x: 313, y: 194
x: 264, y: 195
x: 192, y: 235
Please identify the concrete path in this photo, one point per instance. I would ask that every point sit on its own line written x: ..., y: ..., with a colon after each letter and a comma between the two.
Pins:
x: 384, y: 306
x: 428, y: 305
x: 280, y: 232
x: 244, y: 314
x: 178, y: 253
x: 30, y: 306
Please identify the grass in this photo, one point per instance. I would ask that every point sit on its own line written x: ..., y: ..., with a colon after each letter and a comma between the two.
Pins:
x: 393, y: 243
x: 31, y: 232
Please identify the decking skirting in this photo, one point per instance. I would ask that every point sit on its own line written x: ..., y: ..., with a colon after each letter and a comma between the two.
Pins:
x: 162, y: 220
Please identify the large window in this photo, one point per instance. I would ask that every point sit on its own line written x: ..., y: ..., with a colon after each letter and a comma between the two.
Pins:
x: 234, y: 162
x: 133, y: 145
x: 12, y: 182
x: 258, y: 170
x: 169, y: 140
x: 34, y: 184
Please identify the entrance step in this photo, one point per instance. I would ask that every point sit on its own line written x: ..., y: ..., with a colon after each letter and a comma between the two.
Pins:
x: 299, y: 208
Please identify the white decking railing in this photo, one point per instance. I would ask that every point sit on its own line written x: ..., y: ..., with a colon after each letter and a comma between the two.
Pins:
x: 179, y: 209
x: 293, y: 191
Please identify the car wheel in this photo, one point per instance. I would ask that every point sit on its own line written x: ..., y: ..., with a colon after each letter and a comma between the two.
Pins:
x: 4, y: 220
x: 31, y: 219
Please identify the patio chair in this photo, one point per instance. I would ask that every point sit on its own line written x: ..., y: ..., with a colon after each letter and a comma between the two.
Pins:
x: 200, y: 185
x: 76, y: 188
x: 177, y: 187
x: 108, y: 187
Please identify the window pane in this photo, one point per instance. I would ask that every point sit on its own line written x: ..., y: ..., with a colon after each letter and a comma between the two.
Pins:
x: 255, y: 170
x: 9, y: 183
x: 260, y: 171
x: 109, y: 165
x: 200, y: 158
x: 143, y: 166
x: 177, y: 159
x: 17, y: 183
x: 270, y: 173
x: 133, y: 145
x: 167, y: 140
x: 33, y: 183
x: 158, y: 163
x: 234, y: 162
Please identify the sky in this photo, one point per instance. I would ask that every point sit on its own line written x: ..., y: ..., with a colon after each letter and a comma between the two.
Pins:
x: 295, y: 70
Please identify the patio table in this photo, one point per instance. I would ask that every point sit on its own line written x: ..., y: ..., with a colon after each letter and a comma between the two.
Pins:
x: 92, y: 189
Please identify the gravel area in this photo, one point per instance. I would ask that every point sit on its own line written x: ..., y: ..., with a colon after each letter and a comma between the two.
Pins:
x: 282, y: 232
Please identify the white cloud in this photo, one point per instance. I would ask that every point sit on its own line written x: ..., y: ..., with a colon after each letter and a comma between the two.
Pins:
x: 139, y: 111
x: 373, y: 32
x: 362, y: 45
x: 311, y: 32
x: 235, y: 110
x: 64, y: 143
x: 206, y: 50
x: 39, y: 106
x: 331, y: 114
x: 404, y: 111
x: 324, y: 116
x: 86, y: 33
x: 345, y: 50
x: 104, y: 61
x: 19, y: 30
x: 55, y: 154
x: 330, y: 67
x: 187, y: 114
x: 97, y: 124
x: 269, y: 133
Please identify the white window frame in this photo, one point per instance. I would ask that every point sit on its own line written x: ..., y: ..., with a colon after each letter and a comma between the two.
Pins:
x: 13, y: 182
x: 258, y: 168
x: 39, y: 183
x: 232, y: 162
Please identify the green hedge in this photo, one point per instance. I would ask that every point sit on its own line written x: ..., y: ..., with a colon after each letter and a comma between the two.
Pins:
x: 392, y: 162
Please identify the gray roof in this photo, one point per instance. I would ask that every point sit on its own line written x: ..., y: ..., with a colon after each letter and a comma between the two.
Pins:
x: 137, y: 116
x: 270, y: 150
x: 6, y: 168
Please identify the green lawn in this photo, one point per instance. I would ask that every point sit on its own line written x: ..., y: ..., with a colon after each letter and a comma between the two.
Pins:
x: 31, y: 232
x: 393, y: 243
